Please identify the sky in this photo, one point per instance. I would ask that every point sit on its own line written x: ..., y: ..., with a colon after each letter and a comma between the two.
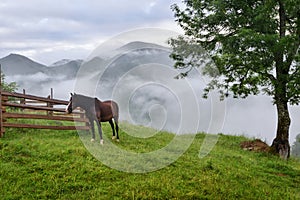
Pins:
x: 48, y: 30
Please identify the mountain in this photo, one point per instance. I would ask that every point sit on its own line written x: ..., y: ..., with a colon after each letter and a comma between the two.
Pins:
x: 60, y: 62
x: 37, y: 79
x: 67, y: 69
x: 17, y: 64
x: 140, y: 46
x: 112, y: 62
x: 110, y: 50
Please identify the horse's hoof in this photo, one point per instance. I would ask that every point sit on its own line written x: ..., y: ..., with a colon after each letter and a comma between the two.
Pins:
x: 101, y: 142
x: 113, y: 137
x: 118, y: 140
x: 92, y: 140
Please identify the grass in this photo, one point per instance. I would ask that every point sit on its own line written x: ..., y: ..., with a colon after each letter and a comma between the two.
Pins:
x: 46, y: 164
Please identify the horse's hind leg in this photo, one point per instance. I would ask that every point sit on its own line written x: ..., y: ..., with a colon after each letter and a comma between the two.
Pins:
x: 117, y: 129
x: 112, y: 128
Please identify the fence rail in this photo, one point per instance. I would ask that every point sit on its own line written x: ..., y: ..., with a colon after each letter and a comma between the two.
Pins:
x: 47, y: 111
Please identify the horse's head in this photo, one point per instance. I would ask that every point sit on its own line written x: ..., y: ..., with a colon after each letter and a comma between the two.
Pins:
x: 72, y: 104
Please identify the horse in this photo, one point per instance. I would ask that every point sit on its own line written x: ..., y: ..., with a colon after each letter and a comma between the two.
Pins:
x: 96, y: 111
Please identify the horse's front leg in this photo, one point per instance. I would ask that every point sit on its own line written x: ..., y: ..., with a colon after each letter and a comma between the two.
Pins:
x: 93, y: 130
x: 100, y: 131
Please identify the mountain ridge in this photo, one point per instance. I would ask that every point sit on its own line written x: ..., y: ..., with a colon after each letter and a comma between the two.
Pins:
x: 17, y: 64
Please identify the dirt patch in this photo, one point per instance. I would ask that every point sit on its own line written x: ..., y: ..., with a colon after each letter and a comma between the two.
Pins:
x: 280, y: 174
x: 256, y: 145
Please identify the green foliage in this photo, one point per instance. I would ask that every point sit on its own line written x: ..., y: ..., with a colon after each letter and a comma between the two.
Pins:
x: 8, y: 87
x: 253, y: 44
x: 45, y: 164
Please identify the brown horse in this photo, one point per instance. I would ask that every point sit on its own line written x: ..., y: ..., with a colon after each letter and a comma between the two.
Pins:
x: 97, y: 111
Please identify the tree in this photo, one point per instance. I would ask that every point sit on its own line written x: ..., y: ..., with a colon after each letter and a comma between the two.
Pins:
x: 254, y: 45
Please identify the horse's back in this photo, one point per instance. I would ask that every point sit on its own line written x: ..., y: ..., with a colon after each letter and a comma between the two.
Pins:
x: 109, y: 107
x: 112, y: 104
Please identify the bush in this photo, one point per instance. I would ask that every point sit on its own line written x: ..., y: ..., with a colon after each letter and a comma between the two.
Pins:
x: 8, y: 87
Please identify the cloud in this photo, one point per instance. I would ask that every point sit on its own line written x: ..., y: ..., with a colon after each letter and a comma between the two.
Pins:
x: 69, y: 18
x: 35, y: 27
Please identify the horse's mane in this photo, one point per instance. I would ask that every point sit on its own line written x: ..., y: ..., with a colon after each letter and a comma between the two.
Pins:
x: 84, y: 100
x: 83, y: 97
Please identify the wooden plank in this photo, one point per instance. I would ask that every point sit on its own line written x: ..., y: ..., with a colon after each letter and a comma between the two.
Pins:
x: 35, y: 99
x: 75, y: 112
x: 46, y: 117
x: 33, y: 107
x: 32, y: 97
x: 34, y: 102
x: 35, y: 126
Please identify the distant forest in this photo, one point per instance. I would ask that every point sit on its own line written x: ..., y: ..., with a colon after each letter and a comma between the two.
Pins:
x: 296, y: 147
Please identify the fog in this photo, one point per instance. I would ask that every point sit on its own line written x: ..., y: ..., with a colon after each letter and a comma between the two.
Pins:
x: 252, y: 117
x: 140, y: 77
x: 40, y: 84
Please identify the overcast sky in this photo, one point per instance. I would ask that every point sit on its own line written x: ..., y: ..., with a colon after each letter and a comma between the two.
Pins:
x: 50, y: 30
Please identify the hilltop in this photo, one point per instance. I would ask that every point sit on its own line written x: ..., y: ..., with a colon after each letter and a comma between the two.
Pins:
x: 56, y: 165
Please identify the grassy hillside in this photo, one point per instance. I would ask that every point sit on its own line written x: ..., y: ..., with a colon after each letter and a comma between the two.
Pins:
x: 44, y: 164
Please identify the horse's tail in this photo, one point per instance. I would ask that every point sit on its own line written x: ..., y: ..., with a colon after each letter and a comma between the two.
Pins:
x: 115, y: 109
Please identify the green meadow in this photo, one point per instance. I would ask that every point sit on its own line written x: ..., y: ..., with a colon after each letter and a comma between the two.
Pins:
x: 47, y: 164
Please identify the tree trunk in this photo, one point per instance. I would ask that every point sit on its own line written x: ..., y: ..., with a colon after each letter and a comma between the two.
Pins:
x: 280, y: 145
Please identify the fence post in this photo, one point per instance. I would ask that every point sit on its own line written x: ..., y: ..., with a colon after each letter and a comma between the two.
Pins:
x: 50, y: 105
x: 4, y: 100
x: 1, y: 116
x: 51, y: 93
x: 22, y: 100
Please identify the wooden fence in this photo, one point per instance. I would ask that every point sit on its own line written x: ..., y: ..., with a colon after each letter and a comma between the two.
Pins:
x: 37, y: 108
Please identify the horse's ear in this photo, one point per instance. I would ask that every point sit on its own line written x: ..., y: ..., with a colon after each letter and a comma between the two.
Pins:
x: 71, y: 94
